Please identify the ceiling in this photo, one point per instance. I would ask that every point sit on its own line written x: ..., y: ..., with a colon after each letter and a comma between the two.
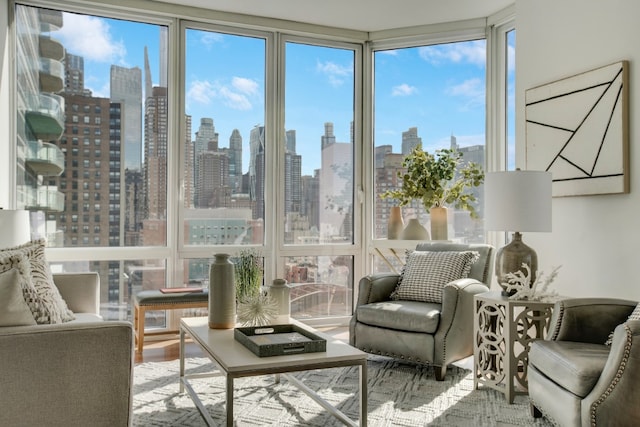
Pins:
x: 363, y: 15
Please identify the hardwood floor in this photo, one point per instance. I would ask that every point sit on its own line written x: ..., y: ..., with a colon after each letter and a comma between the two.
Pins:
x: 161, y: 351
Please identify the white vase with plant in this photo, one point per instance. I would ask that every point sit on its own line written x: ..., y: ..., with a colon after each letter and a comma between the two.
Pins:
x: 438, y: 180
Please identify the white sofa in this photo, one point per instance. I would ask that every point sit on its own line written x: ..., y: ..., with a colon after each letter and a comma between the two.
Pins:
x: 78, y: 373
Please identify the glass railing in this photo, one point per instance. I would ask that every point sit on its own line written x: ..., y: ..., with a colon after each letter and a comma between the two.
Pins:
x: 45, y: 158
x: 45, y: 115
x: 51, y: 48
x: 50, y: 20
x: 46, y: 198
x: 51, y: 75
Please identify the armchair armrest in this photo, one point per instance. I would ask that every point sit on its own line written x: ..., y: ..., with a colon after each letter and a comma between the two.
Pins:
x: 67, y: 374
x: 81, y: 291
x: 614, y: 398
x: 456, y: 321
x: 376, y: 288
x: 588, y: 319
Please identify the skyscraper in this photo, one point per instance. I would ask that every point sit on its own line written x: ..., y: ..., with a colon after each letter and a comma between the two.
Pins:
x: 126, y: 89
x: 235, y: 161
x: 256, y: 170
x: 206, y: 136
x: 410, y: 140
x: 155, y: 154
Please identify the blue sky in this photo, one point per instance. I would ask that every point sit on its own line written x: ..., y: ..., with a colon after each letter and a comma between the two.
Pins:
x: 438, y: 89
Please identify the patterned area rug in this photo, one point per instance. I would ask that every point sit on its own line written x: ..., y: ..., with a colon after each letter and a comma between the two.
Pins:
x: 399, y: 395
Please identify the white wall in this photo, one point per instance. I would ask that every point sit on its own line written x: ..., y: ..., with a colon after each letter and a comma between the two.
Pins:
x: 595, y: 238
x: 5, y: 174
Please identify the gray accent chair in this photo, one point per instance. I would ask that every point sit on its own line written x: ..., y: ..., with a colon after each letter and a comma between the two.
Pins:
x: 77, y: 373
x: 576, y: 380
x: 429, y: 333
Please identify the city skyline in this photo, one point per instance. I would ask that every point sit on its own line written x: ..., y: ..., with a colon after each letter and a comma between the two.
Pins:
x: 437, y: 81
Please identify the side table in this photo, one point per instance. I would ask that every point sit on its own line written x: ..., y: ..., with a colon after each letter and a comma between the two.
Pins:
x: 502, y: 330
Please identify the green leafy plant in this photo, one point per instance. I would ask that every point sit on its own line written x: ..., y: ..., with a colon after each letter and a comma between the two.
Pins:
x: 437, y: 180
x: 248, y: 272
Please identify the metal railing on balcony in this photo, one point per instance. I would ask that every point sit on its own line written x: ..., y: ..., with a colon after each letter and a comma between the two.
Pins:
x: 45, y: 158
x: 45, y: 116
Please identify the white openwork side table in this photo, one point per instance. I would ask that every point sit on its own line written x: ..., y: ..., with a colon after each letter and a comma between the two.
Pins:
x: 503, y: 330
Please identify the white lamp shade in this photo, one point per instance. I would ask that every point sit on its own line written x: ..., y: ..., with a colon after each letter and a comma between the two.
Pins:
x: 517, y: 201
x: 15, y: 228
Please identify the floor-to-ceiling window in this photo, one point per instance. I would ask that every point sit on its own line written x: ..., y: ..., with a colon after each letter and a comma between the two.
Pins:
x: 433, y: 96
x: 146, y: 145
x: 317, y: 178
x: 92, y: 143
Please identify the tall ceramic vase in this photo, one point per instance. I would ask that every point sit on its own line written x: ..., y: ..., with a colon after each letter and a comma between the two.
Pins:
x: 279, y: 291
x: 439, y: 227
x: 396, y: 224
x: 222, y: 293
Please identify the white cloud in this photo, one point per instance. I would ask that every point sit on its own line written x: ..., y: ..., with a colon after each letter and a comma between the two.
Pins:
x: 91, y: 38
x: 335, y: 73
x: 472, y: 90
x: 239, y: 95
x: 403, y: 90
x: 473, y: 52
x: 201, y: 92
x: 247, y: 86
x: 209, y: 39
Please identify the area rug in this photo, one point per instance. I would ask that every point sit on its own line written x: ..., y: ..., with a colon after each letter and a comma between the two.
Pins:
x: 399, y: 395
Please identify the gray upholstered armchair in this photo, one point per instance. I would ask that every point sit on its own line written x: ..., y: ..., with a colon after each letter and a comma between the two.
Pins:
x: 421, y: 332
x: 576, y: 380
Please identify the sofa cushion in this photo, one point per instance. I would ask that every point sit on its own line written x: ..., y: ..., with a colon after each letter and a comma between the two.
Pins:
x: 411, y: 316
x: 14, y: 310
x: 50, y: 307
x: 574, y: 366
x: 86, y: 317
x: 427, y: 272
x: 20, y: 263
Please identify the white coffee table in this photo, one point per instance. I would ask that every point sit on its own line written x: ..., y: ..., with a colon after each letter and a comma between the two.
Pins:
x: 236, y: 361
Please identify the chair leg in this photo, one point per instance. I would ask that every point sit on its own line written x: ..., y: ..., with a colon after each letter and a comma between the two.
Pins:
x: 535, y: 412
x: 440, y: 372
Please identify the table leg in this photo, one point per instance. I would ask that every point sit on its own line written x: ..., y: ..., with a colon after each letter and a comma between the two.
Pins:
x: 181, y: 360
x: 363, y: 394
x: 229, y: 401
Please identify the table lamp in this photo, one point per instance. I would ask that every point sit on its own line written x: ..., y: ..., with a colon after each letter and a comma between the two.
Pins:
x: 517, y: 201
x: 15, y: 228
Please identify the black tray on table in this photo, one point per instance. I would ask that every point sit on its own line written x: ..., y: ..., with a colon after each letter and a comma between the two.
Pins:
x: 279, y: 340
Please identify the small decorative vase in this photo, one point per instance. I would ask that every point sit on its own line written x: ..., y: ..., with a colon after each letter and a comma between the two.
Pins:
x: 439, y: 227
x: 396, y: 224
x: 414, y: 231
x: 279, y: 292
x: 222, y: 293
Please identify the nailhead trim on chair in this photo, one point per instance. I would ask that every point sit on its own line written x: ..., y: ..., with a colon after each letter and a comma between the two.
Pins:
x: 556, y: 331
x: 616, y: 378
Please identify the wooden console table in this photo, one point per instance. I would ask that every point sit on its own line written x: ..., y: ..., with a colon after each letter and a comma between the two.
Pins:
x: 503, y: 329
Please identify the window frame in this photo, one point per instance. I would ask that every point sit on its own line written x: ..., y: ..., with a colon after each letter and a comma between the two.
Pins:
x: 276, y: 33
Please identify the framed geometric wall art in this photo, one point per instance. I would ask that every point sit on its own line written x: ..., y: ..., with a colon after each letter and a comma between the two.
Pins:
x: 577, y: 128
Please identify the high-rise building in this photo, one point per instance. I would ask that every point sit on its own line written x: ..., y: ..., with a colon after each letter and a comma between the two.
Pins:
x: 256, y: 170
x: 235, y: 161
x: 188, y: 165
x: 410, y: 140
x: 336, y: 192
x: 206, y: 140
x: 155, y: 154
x: 213, y: 180
x: 41, y: 111
x: 126, y: 89
x: 74, y: 74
